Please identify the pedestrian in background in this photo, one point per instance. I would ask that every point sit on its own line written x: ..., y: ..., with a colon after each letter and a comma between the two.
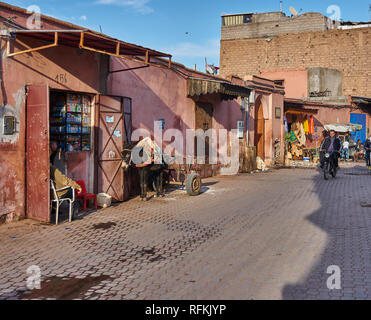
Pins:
x: 368, y: 151
x: 345, y: 150
x: 360, y: 152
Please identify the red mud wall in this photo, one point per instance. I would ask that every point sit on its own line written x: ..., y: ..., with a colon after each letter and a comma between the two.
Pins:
x: 61, y: 68
x: 162, y: 94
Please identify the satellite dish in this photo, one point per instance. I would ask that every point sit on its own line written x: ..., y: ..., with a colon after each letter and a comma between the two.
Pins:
x: 293, y: 11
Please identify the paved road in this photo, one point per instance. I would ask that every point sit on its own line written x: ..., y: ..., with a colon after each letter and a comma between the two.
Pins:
x: 261, y: 236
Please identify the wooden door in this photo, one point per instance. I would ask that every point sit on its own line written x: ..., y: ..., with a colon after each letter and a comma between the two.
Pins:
x: 113, y: 133
x: 259, y: 131
x: 37, y: 153
x: 204, y: 121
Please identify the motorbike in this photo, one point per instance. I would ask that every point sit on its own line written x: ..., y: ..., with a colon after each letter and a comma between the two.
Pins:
x: 368, y: 155
x: 329, y: 165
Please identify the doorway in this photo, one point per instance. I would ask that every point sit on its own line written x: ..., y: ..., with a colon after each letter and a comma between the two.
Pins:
x: 114, y: 126
x: 72, y: 120
x: 357, y: 118
x: 259, y: 130
x: 204, y: 121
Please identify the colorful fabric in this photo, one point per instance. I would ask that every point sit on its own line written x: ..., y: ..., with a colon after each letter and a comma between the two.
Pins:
x: 311, y: 125
x: 306, y: 125
x: 293, y: 138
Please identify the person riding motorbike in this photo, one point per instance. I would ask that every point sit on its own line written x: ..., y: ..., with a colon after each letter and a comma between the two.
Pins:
x: 368, y: 151
x: 332, y: 145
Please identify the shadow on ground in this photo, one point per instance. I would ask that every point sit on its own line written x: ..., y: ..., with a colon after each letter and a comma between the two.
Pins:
x: 347, y: 226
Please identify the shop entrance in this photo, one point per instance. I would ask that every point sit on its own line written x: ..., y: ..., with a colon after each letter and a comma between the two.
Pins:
x: 62, y: 117
x: 259, y: 130
x: 90, y: 143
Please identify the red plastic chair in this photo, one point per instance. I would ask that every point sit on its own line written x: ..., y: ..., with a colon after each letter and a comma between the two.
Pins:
x: 85, y: 196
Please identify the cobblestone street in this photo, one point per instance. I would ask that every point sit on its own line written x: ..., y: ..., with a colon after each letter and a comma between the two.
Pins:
x: 260, y: 236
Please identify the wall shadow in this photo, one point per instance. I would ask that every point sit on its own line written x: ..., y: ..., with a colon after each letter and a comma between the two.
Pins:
x: 347, y: 226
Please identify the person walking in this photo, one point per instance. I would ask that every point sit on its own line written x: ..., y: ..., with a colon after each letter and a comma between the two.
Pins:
x: 345, y: 150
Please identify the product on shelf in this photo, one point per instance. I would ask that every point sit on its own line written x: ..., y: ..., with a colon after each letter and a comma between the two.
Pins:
x: 70, y: 121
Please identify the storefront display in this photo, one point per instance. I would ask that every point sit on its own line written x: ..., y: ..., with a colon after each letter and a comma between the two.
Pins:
x: 70, y: 121
x: 300, y: 136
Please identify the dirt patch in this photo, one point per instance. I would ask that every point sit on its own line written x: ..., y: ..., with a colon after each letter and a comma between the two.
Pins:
x: 104, y: 226
x: 63, y: 288
x: 21, y: 228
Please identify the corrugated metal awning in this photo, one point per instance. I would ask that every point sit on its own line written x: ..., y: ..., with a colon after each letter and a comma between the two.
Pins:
x: 228, y: 91
x: 93, y: 41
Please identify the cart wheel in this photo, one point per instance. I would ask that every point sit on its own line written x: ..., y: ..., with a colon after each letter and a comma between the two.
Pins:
x: 193, y: 184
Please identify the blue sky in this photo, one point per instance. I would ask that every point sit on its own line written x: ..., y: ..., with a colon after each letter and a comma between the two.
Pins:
x: 189, y: 30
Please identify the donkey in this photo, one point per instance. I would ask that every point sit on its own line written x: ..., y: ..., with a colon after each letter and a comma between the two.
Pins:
x: 148, y: 170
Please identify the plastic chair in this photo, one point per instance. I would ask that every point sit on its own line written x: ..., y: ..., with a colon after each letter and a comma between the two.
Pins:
x: 59, y: 201
x: 85, y: 197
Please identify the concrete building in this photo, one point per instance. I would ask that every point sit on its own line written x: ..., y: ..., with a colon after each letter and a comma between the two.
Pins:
x: 272, y: 24
x: 309, y: 40
x: 324, y: 65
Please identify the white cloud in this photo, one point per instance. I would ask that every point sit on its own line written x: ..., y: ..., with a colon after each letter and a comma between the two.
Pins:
x: 210, y: 49
x: 83, y: 18
x: 138, y: 5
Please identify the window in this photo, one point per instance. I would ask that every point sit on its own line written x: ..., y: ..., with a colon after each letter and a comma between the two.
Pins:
x: 279, y: 82
x: 9, y: 125
x: 70, y: 121
x: 236, y: 19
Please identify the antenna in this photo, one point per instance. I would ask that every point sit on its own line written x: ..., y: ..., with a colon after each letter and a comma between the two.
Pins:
x: 369, y: 12
x: 293, y: 11
x: 281, y: 2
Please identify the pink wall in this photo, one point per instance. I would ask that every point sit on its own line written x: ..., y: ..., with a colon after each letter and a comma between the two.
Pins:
x: 162, y: 94
x: 81, y: 72
x: 295, y: 81
x: 278, y: 126
x: 156, y: 93
x: 271, y: 99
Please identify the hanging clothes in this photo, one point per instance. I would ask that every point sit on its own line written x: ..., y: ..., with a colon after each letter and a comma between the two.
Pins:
x: 303, y: 139
x: 285, y: 123
x: 293, y: 138
x: 311, y: 125
x: 306, y: 125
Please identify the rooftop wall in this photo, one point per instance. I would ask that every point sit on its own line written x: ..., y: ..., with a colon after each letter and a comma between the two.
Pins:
x: 345, y: 50
x: 273, y: 24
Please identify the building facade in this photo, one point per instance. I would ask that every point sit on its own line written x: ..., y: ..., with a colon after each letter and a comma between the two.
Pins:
x: 310, y: 40
x: 321, y: 63
x: 78, y: 87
